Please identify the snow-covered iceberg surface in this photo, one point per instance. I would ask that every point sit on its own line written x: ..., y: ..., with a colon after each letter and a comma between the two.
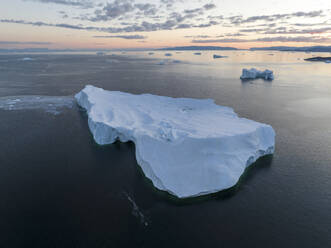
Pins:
x: 187, y: 147
x: 254, y: 73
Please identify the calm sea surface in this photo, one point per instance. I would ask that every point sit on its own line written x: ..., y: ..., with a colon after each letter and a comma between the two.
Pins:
x: 59, y: 189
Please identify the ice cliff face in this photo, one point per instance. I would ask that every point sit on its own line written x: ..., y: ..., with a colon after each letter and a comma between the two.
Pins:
x: 187, y: 147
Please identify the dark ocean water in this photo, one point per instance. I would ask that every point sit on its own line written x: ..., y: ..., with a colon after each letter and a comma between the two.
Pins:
x: 60, y: 189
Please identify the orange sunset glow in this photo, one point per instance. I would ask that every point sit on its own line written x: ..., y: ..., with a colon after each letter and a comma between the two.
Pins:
x: 161, y: 23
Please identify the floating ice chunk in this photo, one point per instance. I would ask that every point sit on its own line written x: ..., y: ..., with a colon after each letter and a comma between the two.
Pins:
x: 168, y: 62
x: 162, y: 62
x: 254, y: 73
x: 112, y: 61
x: 187, y: 147
x: 101, y: 53
x: 50, y: 104
x: 135, y: 210
x: 27, y: 59
x: 215, y: 56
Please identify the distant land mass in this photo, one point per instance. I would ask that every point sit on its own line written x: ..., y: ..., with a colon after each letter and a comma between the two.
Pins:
x: 294, y: 49
x: 24, y: 50
x: 324, y: 59
x: 47, y: 50
x: 44, y: 50
x: 195, y: 48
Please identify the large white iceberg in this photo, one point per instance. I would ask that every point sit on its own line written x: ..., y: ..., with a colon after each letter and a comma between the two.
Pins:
x: 187, y: 147
x: 254, y: 73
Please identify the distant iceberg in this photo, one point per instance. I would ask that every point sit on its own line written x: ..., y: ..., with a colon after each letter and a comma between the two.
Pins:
x: 187, y: 147
x: 27, y: 59
x: 112, y: 61
x: 215, y: 56
x: 101, y: 53
x: 168, y: 62
x: 163, y: 62
x: 254, y: 73
x: 168, y: 54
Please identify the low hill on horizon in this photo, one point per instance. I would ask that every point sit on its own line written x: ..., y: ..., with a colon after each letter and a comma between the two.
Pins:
x: 294, y: 49
x: 195, y: 48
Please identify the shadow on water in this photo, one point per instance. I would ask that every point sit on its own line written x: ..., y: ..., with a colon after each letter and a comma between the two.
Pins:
x: 246, y: 82
x: 262, y: 163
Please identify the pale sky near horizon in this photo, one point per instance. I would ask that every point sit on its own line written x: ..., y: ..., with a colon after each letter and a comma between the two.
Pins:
x: 161, y: 23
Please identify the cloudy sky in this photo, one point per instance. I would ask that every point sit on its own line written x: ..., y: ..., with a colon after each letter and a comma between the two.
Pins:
x: 162, y: 23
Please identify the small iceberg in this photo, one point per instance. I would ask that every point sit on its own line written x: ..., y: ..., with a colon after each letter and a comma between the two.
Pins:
x: 168, y: 54
x: 27, y: 59
x: 187, y: 147
x: 215, y: 56
x: 101, y: 53
x: 162, y: 62
x: 168, y: 62
x: 254, y: 74
x: 319, y: 59
x: 112, y: 61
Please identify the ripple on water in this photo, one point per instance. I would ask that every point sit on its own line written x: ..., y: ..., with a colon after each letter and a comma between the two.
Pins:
x: 311, y: 108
